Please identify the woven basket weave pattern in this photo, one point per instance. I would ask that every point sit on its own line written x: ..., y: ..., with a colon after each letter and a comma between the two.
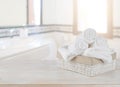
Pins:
x: 87, y: 69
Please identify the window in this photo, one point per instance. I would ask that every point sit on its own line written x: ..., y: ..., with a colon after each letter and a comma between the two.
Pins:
x: 96, y: 14
x: 34, y: 12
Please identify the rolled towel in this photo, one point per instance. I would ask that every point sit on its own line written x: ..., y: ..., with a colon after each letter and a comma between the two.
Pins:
x: 101, y: 43
x: 89, y: 35
x: 78, y: 46
x: 74, y: 49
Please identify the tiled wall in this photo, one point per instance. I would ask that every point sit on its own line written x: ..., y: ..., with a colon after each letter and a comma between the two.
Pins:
x: 9, y: 32
x: 16, y: 31
x: 116, y: 33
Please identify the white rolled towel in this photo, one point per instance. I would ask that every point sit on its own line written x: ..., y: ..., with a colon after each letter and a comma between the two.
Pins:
x: 89, y: 35
x: 101, y: 43
x: 78, y: 46
x: 74, y: 49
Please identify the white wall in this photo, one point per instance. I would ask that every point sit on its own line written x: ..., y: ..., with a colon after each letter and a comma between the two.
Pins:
x: 12, y: 12
x: 58, y: 12
x: 64, y: 12
x: 49, y: 14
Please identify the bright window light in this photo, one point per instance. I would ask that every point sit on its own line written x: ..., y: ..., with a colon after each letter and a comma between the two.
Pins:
x: 37, y: 11
x: 92, y: 14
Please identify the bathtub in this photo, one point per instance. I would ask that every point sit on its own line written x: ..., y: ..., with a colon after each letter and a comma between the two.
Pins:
x: 20, y: 59
x: 16, y: 45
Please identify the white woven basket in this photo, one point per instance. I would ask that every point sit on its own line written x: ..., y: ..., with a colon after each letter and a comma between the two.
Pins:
x: 88, y: 70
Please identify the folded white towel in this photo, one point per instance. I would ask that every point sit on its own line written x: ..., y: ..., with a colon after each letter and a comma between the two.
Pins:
x: 100, y: 50
x: 64, y: 52
x: 99, y: 54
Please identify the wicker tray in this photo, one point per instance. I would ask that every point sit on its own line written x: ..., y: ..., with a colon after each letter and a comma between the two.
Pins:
x: 88, y: 70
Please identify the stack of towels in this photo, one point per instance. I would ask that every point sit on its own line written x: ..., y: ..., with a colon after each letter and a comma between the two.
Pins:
x: 88, y: 44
